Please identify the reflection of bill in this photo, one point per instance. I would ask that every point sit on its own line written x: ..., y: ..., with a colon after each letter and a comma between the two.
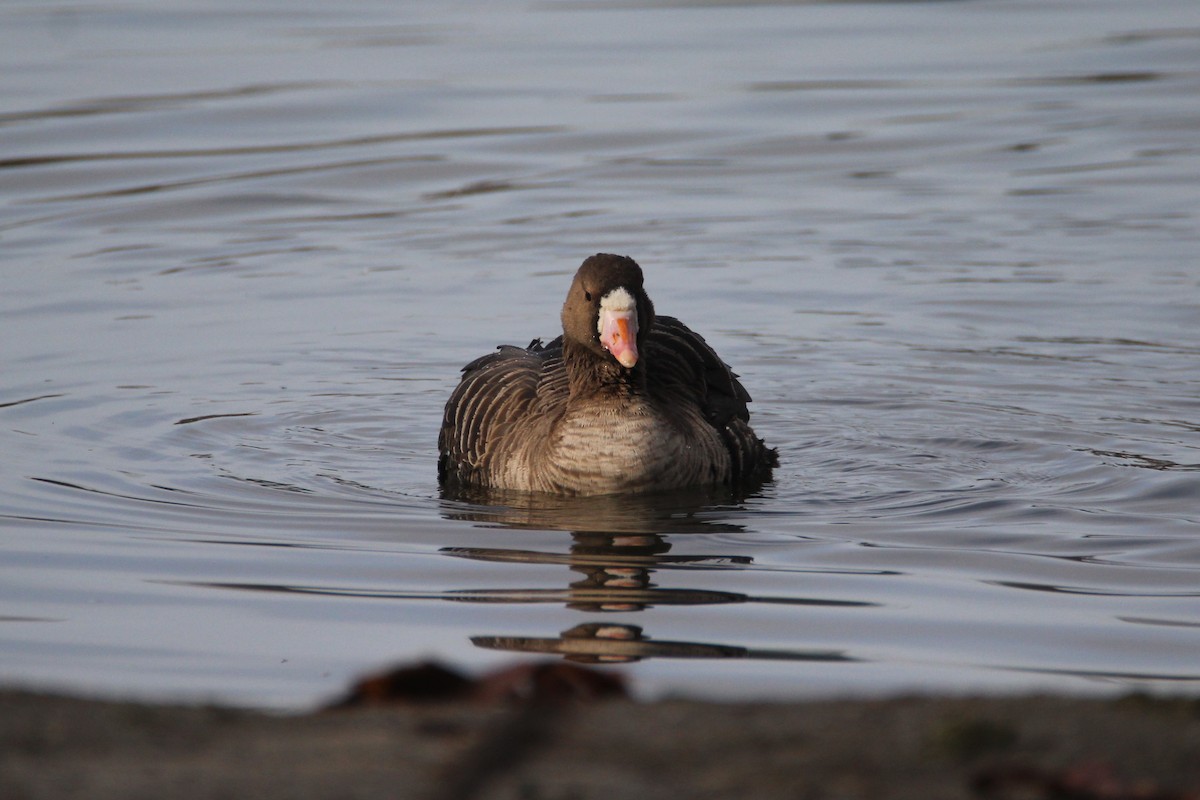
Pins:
x: 603, y: 643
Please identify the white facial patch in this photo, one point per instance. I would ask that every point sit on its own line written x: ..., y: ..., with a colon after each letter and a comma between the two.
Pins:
x: 618, y: 301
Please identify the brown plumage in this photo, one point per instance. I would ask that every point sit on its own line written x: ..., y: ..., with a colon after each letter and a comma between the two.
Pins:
x: 623, y: 401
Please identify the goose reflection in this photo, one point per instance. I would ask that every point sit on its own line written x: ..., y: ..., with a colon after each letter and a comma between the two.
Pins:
x: 686, y: 511
x: 618, y: 546
x: 616, y: 572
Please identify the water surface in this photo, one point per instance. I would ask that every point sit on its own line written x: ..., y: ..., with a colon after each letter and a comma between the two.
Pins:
x: 950, y: 247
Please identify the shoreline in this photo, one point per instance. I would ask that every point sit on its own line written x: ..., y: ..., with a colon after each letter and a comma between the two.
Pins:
x: 1029, y: 747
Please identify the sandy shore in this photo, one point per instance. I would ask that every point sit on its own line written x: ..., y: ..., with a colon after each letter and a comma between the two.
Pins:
x: 1132, y: 748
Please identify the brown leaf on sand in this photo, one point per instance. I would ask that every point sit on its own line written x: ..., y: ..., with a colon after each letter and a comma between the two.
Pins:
x: 1089, y: 780
x: 541, y: 683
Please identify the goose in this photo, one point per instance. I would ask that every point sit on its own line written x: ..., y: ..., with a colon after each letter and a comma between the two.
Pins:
x: 624, y: 402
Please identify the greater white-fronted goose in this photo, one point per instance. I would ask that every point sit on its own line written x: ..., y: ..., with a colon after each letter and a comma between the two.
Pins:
x: 624, y: 401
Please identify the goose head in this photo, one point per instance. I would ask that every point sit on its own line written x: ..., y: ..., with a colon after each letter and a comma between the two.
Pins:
x: 607, y: 311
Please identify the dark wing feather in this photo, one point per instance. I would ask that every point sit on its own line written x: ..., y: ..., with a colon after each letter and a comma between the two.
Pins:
x: 680, y: 360
x: 684, y: 368
x: 496, y: 391
x: 553, y: 387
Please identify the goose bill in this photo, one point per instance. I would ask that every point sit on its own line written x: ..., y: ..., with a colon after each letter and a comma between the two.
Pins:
x: 618, y: 335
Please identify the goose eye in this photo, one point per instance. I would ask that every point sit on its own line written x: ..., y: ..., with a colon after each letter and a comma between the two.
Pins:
x: 587, y: 296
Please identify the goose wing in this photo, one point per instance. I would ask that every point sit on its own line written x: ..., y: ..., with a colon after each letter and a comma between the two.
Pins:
x: 684, y: 368
x: 683, y: 363
x: 511, y: 387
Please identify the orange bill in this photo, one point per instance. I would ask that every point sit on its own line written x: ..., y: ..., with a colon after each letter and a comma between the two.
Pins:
x: 618, y: 335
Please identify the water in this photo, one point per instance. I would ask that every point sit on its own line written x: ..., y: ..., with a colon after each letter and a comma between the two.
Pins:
x: 950, y: 247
